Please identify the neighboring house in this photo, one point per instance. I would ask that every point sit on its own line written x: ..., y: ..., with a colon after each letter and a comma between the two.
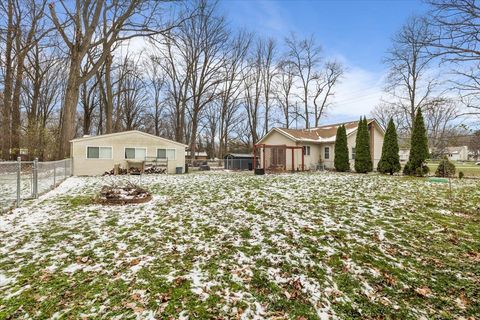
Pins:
x: 281, y: 148
x: 457, y: 153
x: 199, y: 155
x: 404, y: 154
x: 93, y: 155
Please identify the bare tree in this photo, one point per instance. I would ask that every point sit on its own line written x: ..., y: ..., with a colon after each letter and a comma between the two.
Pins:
x: 253, y: 89
x: 305, y: 56
x: 80, y: 31
x: 384, y: 111
x: 176, y: 72
x: 41, y: 91
x: 439, y: 115
x: 231, y: 87
x: 324, y: 85
x: 456, y: 27
x: 284, y: 88
x: 24, y: 29
x: 156, y: 81
x: 8, y: 80
x: 201, y: 43
x: 410, y: 80
x: 268, y: 54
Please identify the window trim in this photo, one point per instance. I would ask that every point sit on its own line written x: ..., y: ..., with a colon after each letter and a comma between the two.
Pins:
x: 325, y: 153
x: 354, y: 153
x: 125, y: 149
x: 86, y: 152
x: 165, y: 148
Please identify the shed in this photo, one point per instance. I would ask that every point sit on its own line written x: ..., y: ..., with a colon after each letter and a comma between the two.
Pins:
x: 238, y: 161
x: 94, y: 155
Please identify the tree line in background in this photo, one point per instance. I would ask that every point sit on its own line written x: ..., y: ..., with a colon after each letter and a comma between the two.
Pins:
x: 177, y: 70
x: 75, y: 68
x: 434, y: 66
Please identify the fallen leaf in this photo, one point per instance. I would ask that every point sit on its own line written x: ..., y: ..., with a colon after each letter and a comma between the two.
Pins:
x: 179, y: 281
x: 474, y: 256
x: 83, y: 259
x: 134, y: 262
x: 462, y: 301
x: 423, y: 291
x: 389, y: 279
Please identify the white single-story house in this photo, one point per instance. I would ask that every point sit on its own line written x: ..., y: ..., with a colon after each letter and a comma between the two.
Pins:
x: 94, y: 155
x: 457, y: 153
x: 281, y: 148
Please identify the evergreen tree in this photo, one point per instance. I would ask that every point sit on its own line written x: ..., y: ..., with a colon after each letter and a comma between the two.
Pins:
x: 390, y: 160
x: 341, y: 150
x: 363, y: 159
x: 418, y: 148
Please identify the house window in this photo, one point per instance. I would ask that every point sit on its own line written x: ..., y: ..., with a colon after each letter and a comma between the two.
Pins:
x: 327, y: 152
x: 135, y: 153
x: 353, y: 153
x: 99, y: 152
x: 306, y: 150
x: 166, y: 154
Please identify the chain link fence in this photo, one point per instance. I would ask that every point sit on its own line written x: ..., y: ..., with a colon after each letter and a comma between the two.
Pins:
x: 21, y: 180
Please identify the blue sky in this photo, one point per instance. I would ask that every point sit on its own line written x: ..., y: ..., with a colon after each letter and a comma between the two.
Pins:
x: 357, y: 33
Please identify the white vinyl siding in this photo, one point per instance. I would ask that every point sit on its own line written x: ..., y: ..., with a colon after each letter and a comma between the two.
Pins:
x: 135, y: 153
x: 166, y: 154
x: 99, y: 152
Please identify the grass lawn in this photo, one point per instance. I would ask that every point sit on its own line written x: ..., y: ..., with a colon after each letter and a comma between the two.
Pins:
x: 238, y: 246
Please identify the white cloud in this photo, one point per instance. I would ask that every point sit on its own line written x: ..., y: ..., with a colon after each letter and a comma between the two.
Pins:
x: 358, y: 93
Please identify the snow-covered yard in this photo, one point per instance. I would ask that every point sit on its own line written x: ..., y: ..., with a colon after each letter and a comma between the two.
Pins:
x: 233, y: 245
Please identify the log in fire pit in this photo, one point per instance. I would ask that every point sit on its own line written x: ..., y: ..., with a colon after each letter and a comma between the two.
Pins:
x: 120, y: 195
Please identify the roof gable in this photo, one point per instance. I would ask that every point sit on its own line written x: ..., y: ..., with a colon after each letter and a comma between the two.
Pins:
x: 130, y: 132
x: 325, y: 133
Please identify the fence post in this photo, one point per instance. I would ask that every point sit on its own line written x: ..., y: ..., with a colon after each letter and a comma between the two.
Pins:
x: 35, y: 178
x: 19, y: 169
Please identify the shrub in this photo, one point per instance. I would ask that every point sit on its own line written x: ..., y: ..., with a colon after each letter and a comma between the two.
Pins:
x: 461, y: 175
x: 341, y: 150
x: 445, y: 168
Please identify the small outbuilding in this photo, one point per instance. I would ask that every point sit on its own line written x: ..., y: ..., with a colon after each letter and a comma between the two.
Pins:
x: 238, y: 161
x: 94, y: 155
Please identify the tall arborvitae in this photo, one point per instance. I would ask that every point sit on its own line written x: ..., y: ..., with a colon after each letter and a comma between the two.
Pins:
x: 418, y: 148
x: 363, y: 159
x: 390, y: 161
x: 341, y: 150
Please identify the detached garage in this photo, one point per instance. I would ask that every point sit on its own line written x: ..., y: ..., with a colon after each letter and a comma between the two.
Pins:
x: 94, y: 155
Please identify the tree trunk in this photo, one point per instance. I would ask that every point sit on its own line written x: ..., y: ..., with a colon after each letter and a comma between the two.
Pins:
x: 7, y: 90
x: 193, y: 135
x: 109, y: 94
x: 16, y: 116
x: 307, y: 120
x: 67, y: 130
